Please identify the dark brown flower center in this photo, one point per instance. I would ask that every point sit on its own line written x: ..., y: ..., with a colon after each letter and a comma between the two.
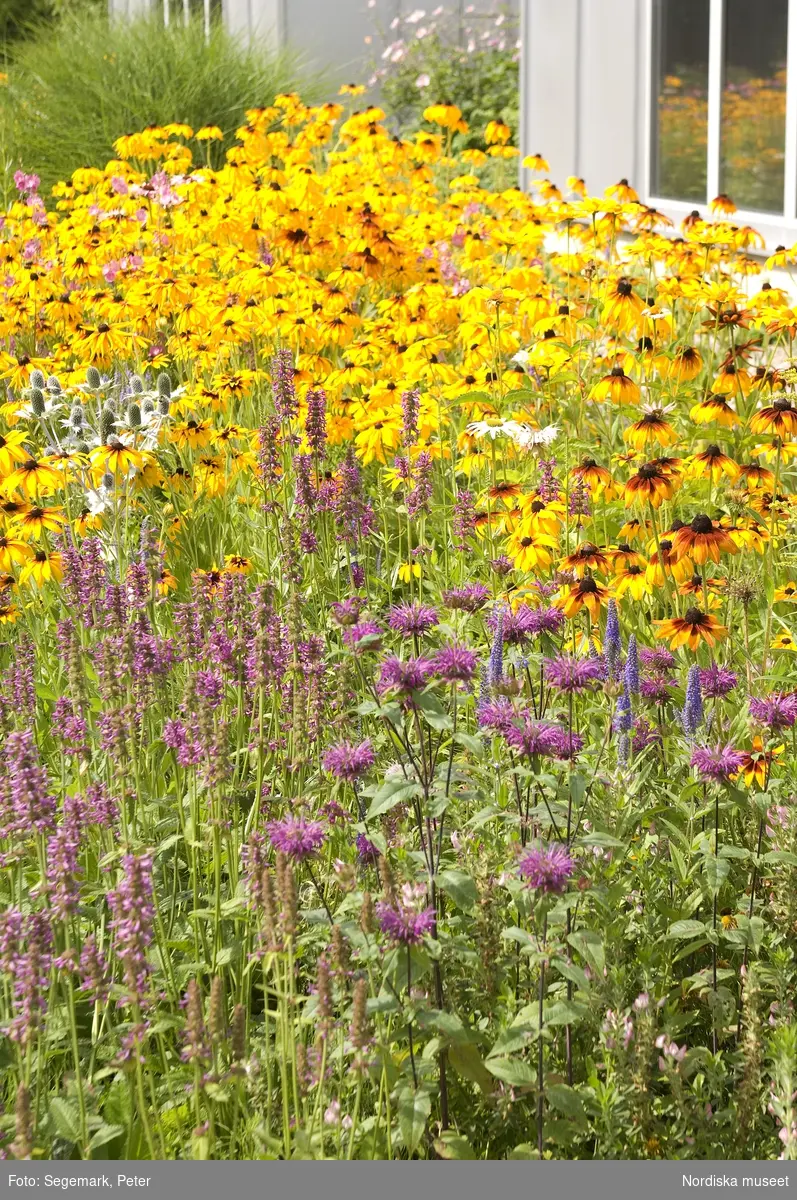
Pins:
x: 702, y: 524
x: 693, y: 616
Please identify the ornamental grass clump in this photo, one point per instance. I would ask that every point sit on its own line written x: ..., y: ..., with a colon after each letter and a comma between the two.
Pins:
x: 397, y: 629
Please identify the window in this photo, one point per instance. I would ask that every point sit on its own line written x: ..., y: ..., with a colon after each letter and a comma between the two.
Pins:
x: 753, y: 133
x: 724, y: 115
x: 681, y: 100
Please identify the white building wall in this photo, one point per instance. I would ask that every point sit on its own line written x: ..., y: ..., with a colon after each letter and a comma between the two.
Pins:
x: 585, y: 88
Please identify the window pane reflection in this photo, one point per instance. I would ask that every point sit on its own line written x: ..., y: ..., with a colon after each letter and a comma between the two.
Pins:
x: 680, y: 100
x: 754, y: 104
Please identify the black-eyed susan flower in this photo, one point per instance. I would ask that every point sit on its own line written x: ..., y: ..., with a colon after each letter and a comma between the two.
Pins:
x: 237, y: 564
x: 685, y: 364
x: 786, y: 593
x: 622, y: 307
x: 31, y: 521
x: 714, y: 462
x: 653, y: 426
x: 617, y: 387
x: 714, y: 409
x: 652, y: 484
x: 586, y: 557
x: 12, y: 450
x: 34, y: 477
x: 192, y: 435
x: 702, y: 540
x: 12, y: 552
x: 586, y: 593
x: 784, y: 641
x: 42, y: 567
x: 758, y: 762
x: 632, y: 579
x: 115, y: 458
x: 690, y: 629
x: 779, y: 417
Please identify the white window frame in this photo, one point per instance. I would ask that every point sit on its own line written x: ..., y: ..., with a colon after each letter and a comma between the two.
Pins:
x: 776, y: 229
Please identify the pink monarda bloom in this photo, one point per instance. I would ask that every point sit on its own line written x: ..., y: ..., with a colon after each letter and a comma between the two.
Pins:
x: 296, y: 837
x: 570, y: 674
x: 412, y: 620
x: 348, y: 761
x: 546, y: 868
x: 777, y: 711
x: 718, y: 764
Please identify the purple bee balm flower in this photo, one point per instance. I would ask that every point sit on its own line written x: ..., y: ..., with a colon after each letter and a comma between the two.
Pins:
x: 523, y: 623
x: 570, y: 674
x: 348, y: 761
x: 347, y: 612
x: 644, y: 735
x: 778, y: 711
x: 367, y: 852
x: 658, y: 659
x: 404, y: 675
x: 455, y: 664
x: 657, y: 689
x: 468, y: 599
x: 497, y: 714
x: 366, y: 632
x: 719, y: 763
x: 404, y: 925
x: 296, y: 837
x: 546, y: 869
x: 532, y: 738
x: 412, y: 620
x: 564, y: 744
x: 717, y: 681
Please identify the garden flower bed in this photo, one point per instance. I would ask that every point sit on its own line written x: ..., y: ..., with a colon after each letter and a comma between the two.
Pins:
x: 397, y: 659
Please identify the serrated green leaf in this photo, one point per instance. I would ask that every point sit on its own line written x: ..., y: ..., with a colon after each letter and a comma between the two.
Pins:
x: 66, y: 1118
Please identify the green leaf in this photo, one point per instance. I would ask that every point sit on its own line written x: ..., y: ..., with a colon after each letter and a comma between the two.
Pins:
x: 460, y: 887
x: 432, y: 711
x: 524, y: 1151
x: 104, y: 1135
x: 513, y: 1071
x: 567, y: 1100
x: 686, y: 929
x: 391, y: 793
x: 578, y: 788
x: 413, y: 1109
x: 453, y: 1145
x: 564, y: 1012
x: 467, y: 1062
x: 471, y: 743
x: 448, y: 1025
x: 590, y: 947
x: 717, y: 871
x: 66, y: 1118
